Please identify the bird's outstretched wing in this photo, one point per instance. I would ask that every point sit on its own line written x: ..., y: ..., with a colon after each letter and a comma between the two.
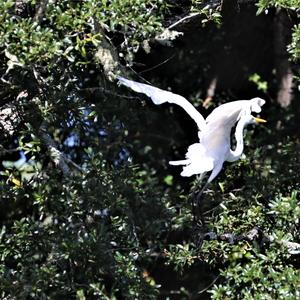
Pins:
x: 159, y: 96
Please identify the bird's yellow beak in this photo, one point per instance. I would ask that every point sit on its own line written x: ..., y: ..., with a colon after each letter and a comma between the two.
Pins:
x: 259, y: 120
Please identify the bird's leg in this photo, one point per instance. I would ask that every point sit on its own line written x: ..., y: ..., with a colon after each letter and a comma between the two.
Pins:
x: 196, y: 208
x: 217, y: 168
x: 199, y: 195
x: 198, y: 219
x: 199, y: 198
x: 194, y: 212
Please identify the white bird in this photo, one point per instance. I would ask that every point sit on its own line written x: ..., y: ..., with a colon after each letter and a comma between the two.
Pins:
x: 213, y: 148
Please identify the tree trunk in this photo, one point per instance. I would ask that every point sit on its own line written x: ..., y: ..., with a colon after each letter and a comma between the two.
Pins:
x: 282, y: 64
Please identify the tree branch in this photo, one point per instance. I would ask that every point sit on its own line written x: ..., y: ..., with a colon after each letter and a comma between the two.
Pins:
x: 210, y: 92
x: 4, y: 151
x: 58, y: 157
x: 254, y: 234
x: 107, y: 92
x: 184, y: 20
x: 284, y: 72
x: 106, y: 55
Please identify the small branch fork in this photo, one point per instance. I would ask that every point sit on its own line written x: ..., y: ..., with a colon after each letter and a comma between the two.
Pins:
x: 255, y: 234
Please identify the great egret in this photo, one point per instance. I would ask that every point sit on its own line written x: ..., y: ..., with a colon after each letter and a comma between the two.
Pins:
x: 213, y: 148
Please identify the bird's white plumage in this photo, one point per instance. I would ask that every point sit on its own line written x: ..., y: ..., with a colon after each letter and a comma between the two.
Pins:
x: 229, y: 113
x: 214, y: 131
x: 198, y: 161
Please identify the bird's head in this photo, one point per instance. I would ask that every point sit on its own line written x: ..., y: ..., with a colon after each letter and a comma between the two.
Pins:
x: 249, y: 119
x: 256, y: 104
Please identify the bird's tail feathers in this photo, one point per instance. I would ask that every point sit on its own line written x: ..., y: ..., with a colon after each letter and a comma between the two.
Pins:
x: 197, y: 161
x: 179, y: 162
x: 195, y: 152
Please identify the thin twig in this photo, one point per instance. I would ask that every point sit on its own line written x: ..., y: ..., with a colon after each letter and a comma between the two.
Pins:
x: 105, y: 91
x: 210, y: 285
x: 190, y: 16
x: 158, y: 65
x: 4, y: 151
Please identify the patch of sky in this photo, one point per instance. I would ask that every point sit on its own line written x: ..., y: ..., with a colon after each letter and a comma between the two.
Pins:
x: 15, y: 164
x: 123, y: 157
x: 72, y: 140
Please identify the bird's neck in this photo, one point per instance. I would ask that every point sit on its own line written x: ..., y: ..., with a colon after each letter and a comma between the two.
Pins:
x: 238, y: 151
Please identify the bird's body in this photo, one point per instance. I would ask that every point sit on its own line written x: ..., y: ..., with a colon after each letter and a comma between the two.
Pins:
x: 209, y: 154
x: 213, y: 148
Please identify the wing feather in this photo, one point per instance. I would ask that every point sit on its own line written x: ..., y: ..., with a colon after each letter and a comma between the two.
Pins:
x: 159, y: 96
